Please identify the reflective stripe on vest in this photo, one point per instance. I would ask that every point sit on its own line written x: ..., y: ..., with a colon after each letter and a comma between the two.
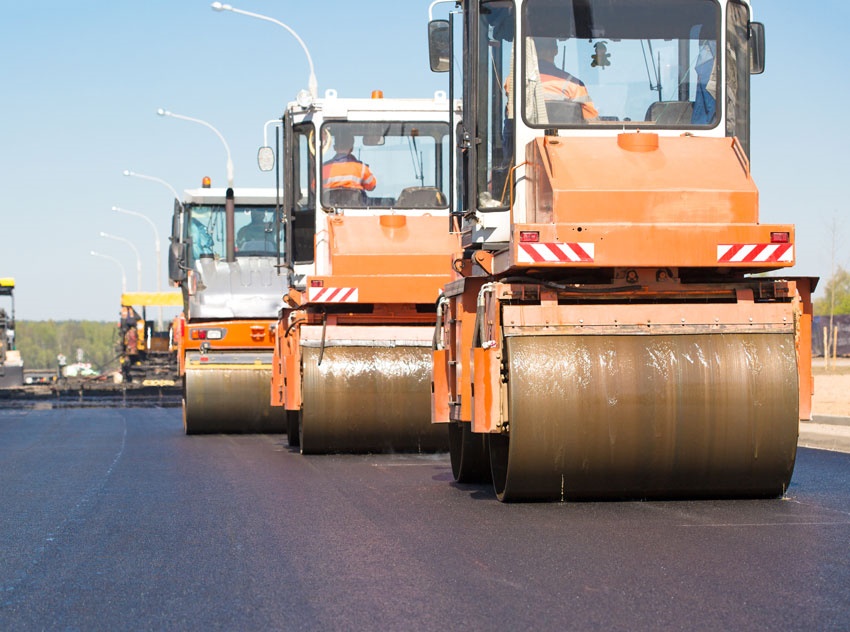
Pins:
x: 347, y: 173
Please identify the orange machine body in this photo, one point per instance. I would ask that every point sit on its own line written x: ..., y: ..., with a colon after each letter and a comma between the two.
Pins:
x: 687, y: 202
x: 621, y: 324
x: 364, y: 268
x: 662, y: 246
x: 383, y: 271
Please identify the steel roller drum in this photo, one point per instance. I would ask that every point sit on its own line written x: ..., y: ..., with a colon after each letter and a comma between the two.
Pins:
x: 470, y: 454
x: 639, y: 416
x: 224, y: 399
x: 368, y: 399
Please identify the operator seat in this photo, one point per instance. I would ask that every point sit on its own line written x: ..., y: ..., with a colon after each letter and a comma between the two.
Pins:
x: 344, y: 198
x: 564, y: 112
x: 421, y: 197
x: 671, y: 112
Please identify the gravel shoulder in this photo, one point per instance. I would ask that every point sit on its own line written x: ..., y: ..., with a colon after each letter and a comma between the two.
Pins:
x: 832, y: 388
x: 829, y: 428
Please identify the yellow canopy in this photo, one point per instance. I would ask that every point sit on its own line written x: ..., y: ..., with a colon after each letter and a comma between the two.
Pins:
x: 148, y: 299
x: 7, y: 282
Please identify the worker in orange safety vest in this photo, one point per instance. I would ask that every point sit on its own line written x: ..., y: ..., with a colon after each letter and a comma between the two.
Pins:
x: 344, y: 171
x: 559, y: 85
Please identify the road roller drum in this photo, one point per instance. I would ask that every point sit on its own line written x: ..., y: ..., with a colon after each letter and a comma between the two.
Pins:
x: 368, y: 399
x: 640, y: 416
x: 229, y: 397
x: 469, y: 453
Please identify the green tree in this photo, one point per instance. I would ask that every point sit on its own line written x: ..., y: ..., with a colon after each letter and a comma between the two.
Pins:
x: 836, y: 296
x: 40, y: 342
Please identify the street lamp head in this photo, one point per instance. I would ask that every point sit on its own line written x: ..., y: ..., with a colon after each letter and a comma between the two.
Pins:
x: 163, y: 112
x: 312, y: 83
x: 127, y: 172
x: 103, y: 234
x: 304, y: 99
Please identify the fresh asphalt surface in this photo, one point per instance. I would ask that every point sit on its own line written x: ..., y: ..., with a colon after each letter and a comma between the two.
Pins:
x: 112, y: 519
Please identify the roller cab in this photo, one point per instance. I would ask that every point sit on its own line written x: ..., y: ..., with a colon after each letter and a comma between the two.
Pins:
x: 147, y: 348
x: 353, y: 342
x: 225, y: 251
x: 622, y: 324
x: 11, y: 363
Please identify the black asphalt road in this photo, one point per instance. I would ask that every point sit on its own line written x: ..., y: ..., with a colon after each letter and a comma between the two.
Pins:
x: 112, y: 519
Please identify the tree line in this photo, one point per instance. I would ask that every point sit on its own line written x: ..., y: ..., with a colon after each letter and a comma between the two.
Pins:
x: 836, y: 295
x: 42, y: 341
x: 831, y: 326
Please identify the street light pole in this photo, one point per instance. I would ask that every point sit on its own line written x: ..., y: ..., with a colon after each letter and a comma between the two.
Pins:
x: 164, y: 112
x: 119, y: 264
x: 133, y: 174
x: 312, y: 84
x: 135, y: 250
x: 276, y: 122
x: 434, y: 4
x: 156, y: 243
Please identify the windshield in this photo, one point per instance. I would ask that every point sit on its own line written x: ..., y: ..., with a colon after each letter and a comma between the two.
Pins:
x: 620, y: 62
x: 402, y: 165
x: 254, y: 225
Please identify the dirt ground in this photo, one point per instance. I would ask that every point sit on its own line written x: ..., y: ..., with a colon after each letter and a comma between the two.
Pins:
x: 832, y: 388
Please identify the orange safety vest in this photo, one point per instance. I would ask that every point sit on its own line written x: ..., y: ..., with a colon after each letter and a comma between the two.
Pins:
x: 559, y: 85
x: 344, y: 171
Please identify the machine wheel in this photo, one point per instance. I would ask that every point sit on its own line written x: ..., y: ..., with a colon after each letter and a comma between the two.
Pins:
x: 230, y: 400
x: 648, y: 416
x: 293, y: 428
x: 368, y: 399
x: 469, y: 454
x: 186, y: 427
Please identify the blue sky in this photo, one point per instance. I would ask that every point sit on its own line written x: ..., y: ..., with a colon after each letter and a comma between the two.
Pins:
x: 81, y: 83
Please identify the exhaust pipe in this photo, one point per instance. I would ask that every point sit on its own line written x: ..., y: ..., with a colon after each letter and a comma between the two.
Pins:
x: 230, y: 225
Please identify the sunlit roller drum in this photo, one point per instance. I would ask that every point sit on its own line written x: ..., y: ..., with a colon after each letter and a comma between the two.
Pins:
x: 470, y: 454
x: 648, y: 416
x: 368, y: 399
x: 230, y: 399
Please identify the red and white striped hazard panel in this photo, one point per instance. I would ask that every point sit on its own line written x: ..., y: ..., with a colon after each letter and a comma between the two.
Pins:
x: 755, y: 253
x: 555, y: 252
x: 333, y: 294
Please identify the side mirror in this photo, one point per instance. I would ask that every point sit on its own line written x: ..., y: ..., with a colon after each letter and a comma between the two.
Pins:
x: 177, y: 260
x: 265, y: 158
x: 439, y: 45
x: 756, y: 48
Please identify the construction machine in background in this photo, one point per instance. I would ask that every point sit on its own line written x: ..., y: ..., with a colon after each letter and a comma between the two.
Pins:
x: 11, y: 364
x: 364, y: 269
x: 147, y: 352
x: 611, y: 331
x: 224, y: 255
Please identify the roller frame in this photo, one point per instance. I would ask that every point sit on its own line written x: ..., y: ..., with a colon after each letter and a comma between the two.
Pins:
x: 773, y: 328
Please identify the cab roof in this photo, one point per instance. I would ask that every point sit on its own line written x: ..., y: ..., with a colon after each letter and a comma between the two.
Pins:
x: 148, y: 299
x: 242, y: 196
x: 371, y: 109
